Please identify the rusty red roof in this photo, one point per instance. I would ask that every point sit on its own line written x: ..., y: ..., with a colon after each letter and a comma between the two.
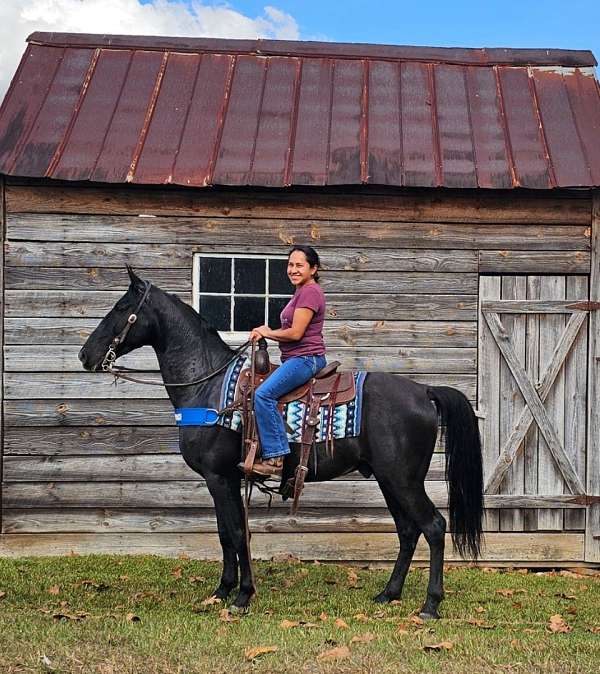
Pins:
x: 201, y: 111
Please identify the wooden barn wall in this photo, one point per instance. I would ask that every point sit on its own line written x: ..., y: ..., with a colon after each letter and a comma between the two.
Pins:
x: 91, y: 468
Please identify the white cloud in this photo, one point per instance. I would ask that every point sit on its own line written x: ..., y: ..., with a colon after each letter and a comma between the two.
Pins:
x: 19, y: 18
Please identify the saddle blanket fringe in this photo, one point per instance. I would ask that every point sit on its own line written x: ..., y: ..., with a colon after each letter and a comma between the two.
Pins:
x: 346, y: 416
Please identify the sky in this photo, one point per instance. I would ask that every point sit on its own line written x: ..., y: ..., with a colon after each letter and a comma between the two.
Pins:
x: 455, y: 23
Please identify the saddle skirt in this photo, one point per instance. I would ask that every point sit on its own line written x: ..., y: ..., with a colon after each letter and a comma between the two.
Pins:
x: 340, y: 420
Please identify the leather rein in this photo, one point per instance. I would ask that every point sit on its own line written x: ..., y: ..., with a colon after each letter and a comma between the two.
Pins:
x: 108, y: 362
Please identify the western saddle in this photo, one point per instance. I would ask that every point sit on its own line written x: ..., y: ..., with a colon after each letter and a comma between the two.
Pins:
x: 327, y: 388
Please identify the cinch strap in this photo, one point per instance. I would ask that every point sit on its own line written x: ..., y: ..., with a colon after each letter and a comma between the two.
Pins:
x: 196, y: 416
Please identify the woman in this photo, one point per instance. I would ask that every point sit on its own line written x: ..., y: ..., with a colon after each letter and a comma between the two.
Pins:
x: 302, y: 355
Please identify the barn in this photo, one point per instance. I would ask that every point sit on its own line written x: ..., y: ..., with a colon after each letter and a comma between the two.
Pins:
x: 453, y: 195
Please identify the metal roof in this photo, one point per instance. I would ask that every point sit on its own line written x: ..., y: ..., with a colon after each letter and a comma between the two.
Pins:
x: 196, y: 111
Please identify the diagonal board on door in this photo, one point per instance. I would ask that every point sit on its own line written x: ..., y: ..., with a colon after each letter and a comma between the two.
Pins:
x: 537, y: 436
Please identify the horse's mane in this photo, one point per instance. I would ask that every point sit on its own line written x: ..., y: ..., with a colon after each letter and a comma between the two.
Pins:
x: 189, y: 311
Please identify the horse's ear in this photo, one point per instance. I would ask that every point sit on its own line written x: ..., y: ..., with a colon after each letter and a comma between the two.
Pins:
x: 136, y: 281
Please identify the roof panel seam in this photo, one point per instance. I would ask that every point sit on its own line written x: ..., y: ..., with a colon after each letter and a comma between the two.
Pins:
x: 56, y: 157
x: 37, y: 114
x: 401, y: 126
x: 329, y: 123
x: 584, y: 153
x: 261, y: 100
x: 289, y: 160
x: 364, y: 124
x: 435, y: 132
x: 505, y: 130
x: 185, y: 119
x: 137, y: 152
x: 538, y: 114
x: 470, y: 120
x: 221, y: 121
x: 112, y: 115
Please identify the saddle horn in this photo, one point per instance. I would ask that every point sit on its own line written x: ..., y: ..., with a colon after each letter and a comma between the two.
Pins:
x: 262, y: 364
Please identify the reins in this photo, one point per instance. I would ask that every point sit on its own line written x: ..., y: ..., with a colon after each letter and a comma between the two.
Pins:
x: 108, y: 362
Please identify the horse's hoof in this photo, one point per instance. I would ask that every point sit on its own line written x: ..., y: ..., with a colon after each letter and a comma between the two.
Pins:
x: 238, y: 610
x: 424, y: 615
x: 383, y: 598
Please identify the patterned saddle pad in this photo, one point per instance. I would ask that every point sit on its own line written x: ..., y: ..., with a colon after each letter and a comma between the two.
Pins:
x: 346, y: 416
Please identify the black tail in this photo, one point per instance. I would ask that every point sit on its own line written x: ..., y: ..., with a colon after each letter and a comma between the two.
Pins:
x: 464, y: 470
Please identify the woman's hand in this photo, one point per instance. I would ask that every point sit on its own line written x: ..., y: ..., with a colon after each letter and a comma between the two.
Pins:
x: 261, y: 331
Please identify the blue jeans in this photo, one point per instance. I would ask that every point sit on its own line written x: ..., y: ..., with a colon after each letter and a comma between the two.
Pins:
x: 289, y: 375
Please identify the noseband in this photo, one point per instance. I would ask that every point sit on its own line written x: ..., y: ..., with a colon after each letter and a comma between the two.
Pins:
x: 108, y: 362
x: 111, y: 354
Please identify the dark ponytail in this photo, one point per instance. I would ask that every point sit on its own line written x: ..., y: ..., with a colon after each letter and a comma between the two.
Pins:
x: 312, y: 257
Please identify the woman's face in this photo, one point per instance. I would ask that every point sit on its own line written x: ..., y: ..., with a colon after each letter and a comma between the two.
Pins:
x: 298, y: 270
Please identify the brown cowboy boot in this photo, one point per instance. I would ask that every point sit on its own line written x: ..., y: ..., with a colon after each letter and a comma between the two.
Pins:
x: 268, y: 467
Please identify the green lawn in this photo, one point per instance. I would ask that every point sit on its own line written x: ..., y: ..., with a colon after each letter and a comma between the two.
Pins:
x: 145, y: 614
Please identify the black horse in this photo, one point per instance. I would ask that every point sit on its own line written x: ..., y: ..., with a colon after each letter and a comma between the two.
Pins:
x: 396, y: 442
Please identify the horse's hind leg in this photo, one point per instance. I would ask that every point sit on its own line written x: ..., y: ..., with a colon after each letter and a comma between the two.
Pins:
x: 433, y: 525
x: 408, y: 535
x: 417, y: 508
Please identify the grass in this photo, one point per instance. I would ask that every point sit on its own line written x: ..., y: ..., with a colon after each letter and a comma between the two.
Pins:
x: 144, y: 615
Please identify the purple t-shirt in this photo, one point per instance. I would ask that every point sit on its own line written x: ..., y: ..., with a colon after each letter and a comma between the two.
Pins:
x: 311, y: 344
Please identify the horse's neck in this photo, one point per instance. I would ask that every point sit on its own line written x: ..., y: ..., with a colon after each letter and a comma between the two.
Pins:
x: 187, y: 350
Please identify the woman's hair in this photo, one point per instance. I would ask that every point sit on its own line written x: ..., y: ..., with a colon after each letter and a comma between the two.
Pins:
x: 312, y: 257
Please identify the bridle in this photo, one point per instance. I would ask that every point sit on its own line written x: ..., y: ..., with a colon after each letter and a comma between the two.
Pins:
x: 108, y: 362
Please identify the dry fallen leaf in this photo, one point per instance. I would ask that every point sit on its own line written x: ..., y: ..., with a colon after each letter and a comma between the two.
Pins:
x: 80, y: 615
x: 132, y: 618
x: 252, y: 653
x: 183, y: 555
x: 324, y: 617
x: 55, y: 589
x: 285, y: 557
x: 505, y: 593
x: 415, y: 620
x: 594, y: 630
x: 442, y: 646
x: 335, y: 653
x: 226, y: 616
x: 342, y: 624
x: 557, y: 624
x: 209, y: 601
x: 363, y: 638
x: 479, y: 609
x: 176, y: 573
x: 571, y: 574
x: 361, y: 617
x: 352, y: 578
x: 196, y: 579
x: 2, y: 594
x: 563, y: 595
x: 287, y: 624
x: 477, y: 622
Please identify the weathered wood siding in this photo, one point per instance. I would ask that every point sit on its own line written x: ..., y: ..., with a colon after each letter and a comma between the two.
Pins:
x: 92, y: 467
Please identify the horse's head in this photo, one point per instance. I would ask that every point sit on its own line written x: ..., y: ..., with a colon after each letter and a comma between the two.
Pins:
x: 127, y: 326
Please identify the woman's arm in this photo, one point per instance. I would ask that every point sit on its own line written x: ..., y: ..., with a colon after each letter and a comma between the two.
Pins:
x: 302, y: 318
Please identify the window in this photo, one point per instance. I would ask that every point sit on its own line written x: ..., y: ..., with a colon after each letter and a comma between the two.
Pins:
x: 235, y: 293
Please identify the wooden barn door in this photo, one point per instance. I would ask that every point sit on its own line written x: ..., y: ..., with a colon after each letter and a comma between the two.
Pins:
x: 532, y: 395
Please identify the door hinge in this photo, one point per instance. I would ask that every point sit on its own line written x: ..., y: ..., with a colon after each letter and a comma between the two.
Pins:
x: 584, y: 306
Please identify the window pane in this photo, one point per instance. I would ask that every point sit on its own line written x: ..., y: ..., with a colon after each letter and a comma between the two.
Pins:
x: 249, y: 276
x: 216, y: 310
x: 215, y: 275
x: 279, y: 283
x: 248, y: 313
x: 276, y: 305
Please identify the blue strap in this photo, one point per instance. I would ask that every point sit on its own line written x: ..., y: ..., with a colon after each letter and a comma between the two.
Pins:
x: 196, y: 416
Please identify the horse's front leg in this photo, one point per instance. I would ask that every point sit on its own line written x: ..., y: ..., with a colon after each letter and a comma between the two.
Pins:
x: 231, y: 525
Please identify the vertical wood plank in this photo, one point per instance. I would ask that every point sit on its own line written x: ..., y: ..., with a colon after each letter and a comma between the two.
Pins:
x: 3, y: 230
x: 488, y: 390
x: 511, y: 400
x: 550, y: 479
x: 592, y: 525
x: 576, y: 399
x: 530, y: 454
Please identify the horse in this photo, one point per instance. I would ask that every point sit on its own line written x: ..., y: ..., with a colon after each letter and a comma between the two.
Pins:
x: 400, y: 420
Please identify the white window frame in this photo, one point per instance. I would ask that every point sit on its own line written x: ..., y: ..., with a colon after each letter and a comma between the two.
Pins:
x: 234, y: 337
